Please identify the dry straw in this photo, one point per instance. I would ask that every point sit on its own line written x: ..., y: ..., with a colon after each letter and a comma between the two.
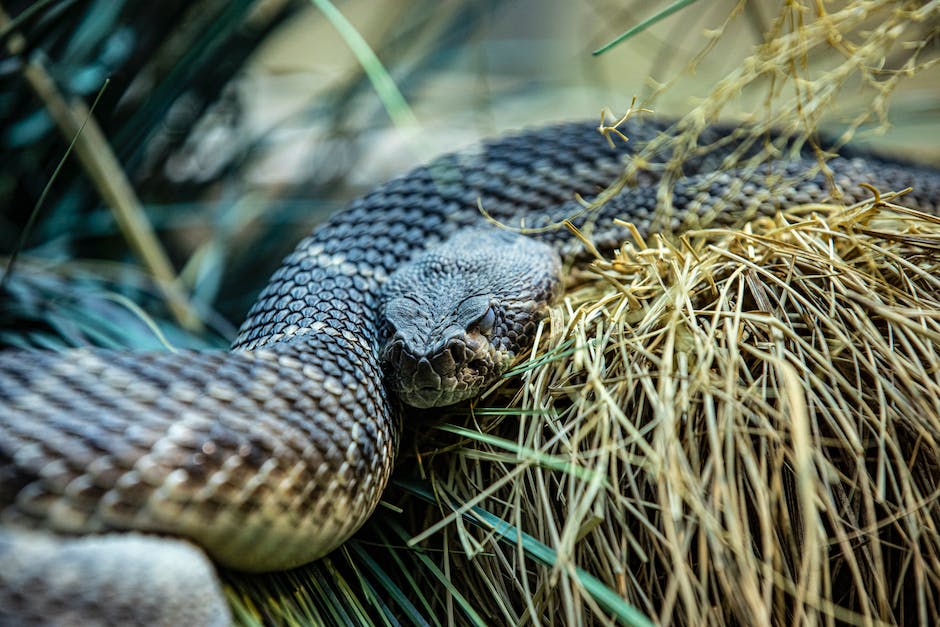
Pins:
x: 740, y: 428
x: 733, y: 426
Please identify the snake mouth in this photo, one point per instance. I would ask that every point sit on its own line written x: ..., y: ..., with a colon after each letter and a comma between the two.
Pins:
x: 456, y: 371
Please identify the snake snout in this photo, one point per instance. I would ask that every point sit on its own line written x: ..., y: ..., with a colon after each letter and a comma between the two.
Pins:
x: 446, y: 374
x: 460, y: 311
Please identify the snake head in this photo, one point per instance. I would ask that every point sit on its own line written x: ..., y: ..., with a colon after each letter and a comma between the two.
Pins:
x: 459, y: 313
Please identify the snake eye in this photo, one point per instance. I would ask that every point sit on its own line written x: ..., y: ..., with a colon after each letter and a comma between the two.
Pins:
x: 484, y: 324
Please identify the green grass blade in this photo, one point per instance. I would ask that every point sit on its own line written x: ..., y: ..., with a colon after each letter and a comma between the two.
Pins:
x: 605, y: 597
x: 34, y: 215
x: 471, y: 614
x: 392, y: 99
x: 405, y: 570
x: 26, y: 15
x: 394, y: 592
x: 642, y: 26
x: 525, y: 453
x: 561, y: 351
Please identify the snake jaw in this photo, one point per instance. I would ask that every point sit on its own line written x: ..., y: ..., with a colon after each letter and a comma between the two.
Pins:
x: 451, y: 372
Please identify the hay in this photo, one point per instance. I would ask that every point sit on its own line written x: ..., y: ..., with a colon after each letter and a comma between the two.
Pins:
x: 834, y: 65
x: 728, y: 427
x: 739, y: 427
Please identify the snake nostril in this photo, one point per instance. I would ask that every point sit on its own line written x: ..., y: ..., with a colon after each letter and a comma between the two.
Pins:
x: 459, y: 354
x: 407, y: 366
x: 392, y: 353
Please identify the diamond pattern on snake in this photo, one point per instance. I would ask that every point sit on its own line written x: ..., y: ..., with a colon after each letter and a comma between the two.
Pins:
x: 125, y: 476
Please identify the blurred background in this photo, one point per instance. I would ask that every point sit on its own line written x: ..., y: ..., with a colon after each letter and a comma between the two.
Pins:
x: 240, y: 124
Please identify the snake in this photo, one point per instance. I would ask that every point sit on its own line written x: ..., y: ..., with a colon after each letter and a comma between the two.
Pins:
x: 126, y: 477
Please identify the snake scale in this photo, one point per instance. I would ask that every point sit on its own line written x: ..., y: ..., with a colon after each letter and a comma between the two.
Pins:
x: 120, y: 472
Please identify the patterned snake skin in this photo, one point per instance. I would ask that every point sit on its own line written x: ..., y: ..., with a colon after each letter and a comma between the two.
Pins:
x: 115, y: 466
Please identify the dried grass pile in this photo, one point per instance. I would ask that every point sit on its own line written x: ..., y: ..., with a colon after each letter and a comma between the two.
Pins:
x: 738, y: 427
x: 731, y: 427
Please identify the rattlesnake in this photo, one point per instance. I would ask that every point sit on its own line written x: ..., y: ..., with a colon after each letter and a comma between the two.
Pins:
x: 115, y: 466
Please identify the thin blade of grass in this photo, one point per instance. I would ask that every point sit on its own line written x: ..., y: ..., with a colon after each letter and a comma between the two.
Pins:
x: 605, y: 597
x: 472, y: 615
x: 527, y: 454
x: 393, y: 591
x: 34, y: 214
x: 391, y: 97
x: 642, y: 26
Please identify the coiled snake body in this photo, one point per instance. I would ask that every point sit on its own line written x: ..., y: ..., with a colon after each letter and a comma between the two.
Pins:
x: 271, y: 455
